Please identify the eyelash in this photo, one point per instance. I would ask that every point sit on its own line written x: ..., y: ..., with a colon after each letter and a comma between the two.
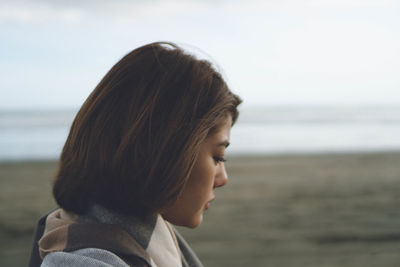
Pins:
x: 218, y: 160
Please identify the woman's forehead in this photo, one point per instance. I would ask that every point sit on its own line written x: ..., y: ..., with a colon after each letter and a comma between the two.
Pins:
x: 221, y: 133
x: 224, y: 125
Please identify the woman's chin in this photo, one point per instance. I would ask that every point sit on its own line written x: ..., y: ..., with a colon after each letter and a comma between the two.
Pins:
x: 192, y: 222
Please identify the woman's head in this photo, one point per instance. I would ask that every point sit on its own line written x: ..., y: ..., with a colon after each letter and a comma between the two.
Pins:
x: 135, y: 140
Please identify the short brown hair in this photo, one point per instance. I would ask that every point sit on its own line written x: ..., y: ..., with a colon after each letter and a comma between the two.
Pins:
x: 134, y: 141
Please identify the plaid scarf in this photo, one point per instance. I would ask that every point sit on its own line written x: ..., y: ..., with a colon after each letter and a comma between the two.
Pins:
x: 137, y: 242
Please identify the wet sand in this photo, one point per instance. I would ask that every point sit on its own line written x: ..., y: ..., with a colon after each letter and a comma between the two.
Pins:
x: 304, y: 210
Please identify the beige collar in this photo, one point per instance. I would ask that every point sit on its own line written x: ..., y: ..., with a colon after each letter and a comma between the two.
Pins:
x: 163, y: 247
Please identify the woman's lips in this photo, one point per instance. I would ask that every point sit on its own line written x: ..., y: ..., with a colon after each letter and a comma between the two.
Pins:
x: 207, y: 206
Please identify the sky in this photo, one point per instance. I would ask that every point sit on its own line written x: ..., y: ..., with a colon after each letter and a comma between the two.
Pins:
x: 272, y: 52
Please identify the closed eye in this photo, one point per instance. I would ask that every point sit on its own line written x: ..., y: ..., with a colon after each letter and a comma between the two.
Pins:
x: 218, y: 160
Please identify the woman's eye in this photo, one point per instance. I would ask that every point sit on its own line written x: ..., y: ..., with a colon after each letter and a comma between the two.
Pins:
x: 218, y: 159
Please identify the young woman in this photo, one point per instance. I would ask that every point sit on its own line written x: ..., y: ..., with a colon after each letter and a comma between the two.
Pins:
x: 145, y: 150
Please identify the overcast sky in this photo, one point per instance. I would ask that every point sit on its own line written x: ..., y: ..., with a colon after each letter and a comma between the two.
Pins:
x: 53, y: 53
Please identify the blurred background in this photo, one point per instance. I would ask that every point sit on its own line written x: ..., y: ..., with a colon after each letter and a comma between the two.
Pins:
x: 314, y: 162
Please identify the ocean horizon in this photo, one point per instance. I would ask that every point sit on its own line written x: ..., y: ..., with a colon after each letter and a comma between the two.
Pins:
x: 40, y: 134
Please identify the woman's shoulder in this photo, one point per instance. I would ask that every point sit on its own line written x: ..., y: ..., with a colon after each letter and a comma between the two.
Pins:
x: 84, y: 257
x: 60, y: 240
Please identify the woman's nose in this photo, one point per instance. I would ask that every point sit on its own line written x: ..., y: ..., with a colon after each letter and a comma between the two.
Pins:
x: 222, y: 177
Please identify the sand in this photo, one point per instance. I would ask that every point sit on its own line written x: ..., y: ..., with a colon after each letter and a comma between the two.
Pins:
x: 304, y: 210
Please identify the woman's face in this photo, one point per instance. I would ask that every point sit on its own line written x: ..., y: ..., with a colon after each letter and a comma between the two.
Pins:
x: 208, y: 173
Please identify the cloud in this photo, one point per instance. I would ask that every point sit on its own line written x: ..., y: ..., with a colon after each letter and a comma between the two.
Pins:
x: 76, y: 11
x: 39, y: 13
x: 44, y: 11
x: 350, y: 3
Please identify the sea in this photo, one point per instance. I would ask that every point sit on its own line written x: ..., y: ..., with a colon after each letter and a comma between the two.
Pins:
x: 267, y: 130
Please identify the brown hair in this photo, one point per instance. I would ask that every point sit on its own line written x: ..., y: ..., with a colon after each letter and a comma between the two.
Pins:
x: 134, y: 141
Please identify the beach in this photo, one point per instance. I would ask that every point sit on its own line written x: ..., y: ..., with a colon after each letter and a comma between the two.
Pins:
x: 283, y: 210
